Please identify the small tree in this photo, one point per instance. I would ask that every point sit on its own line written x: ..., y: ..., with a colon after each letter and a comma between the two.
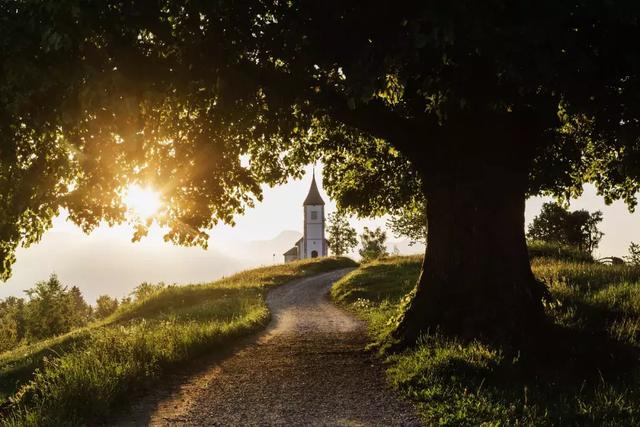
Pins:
x: 373, y: 244
x: 53, y: 310
x: 556, y: 224
x: 11, y: 323
x: 634, y: 254
x: 47, y: 312
x: 341, y: 236
x: 79, y: 311
x: 105, y: 305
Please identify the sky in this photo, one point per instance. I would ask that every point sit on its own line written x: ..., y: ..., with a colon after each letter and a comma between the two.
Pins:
x: 107, y: 262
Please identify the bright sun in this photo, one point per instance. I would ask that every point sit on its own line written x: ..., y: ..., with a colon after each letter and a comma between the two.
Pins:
x: 144, y: 202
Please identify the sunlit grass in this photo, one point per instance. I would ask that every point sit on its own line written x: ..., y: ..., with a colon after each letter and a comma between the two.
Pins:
x: 79, y: 378
x: 590, y: 376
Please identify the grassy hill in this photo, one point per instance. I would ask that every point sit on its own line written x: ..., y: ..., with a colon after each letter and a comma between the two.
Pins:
x: 586, y: 374
x: 82, y: 376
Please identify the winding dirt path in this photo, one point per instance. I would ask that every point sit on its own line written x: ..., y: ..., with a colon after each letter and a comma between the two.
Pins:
x: 308, y: 367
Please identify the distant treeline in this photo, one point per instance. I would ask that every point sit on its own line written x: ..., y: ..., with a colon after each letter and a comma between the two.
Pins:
x: 52, y: 309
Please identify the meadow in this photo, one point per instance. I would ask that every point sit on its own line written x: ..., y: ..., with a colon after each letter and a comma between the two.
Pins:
x: 83, y: 376
x: 586, y: 373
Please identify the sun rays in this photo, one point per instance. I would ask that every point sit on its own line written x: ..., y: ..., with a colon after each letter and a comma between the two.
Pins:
x: 142, y: 202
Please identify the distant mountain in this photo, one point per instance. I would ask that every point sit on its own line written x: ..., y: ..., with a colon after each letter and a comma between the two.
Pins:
x: 109, y: 264
x: 405, y: 247
x: 112, y: 265
x: 261, y: 252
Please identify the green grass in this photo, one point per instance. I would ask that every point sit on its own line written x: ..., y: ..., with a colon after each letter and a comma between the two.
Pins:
x: 538, y: 249
x: 375, y: 290
x: 587, y: 374
x: 83, y: 376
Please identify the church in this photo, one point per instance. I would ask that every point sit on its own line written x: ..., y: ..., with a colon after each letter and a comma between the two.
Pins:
x: 312, y: 244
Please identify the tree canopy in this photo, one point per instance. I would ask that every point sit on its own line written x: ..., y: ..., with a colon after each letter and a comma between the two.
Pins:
x: 472, y: 105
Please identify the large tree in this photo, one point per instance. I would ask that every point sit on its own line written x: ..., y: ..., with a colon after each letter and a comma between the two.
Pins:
x: 474, y: 104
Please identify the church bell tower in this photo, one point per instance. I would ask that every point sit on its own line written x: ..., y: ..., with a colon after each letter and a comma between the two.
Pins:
x: 313, y: 242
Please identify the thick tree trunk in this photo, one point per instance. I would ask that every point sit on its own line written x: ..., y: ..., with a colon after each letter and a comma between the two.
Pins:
x: 476, y: 280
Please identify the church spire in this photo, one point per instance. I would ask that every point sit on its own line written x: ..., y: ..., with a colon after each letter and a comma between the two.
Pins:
x: 313, y: 198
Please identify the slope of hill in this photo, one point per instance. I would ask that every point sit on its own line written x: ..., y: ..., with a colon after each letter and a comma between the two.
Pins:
x: 80, y: 377
x: 585, y: 373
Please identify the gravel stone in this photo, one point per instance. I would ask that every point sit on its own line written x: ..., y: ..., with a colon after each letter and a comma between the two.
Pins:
x: 309, y: 367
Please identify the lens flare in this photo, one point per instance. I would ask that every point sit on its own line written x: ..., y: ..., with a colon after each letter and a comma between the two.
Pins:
x: 143, y: 202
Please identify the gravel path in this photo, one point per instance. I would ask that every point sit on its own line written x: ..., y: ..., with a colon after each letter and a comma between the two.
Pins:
x: 308, y: 368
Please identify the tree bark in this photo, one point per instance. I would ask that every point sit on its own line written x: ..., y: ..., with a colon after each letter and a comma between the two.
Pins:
x: 476, y: 279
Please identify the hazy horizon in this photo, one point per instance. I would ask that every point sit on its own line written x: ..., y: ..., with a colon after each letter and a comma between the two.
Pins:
x: 106, y: 261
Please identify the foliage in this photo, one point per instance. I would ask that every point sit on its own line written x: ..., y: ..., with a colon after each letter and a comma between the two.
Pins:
x: 367, y: 176
x: 80, y: 313
x: 12, y: 324
x: 144, y: 290
x: 469, y: 105
x: 557, y: 251
x: 80, y: 378
x: 410, y: 221
x: 634, y: 254
x: 105, y: 306
x: 587, y: 374
x: 373, y: 244
x: 382, y: 95
x: 341, y: 236
x: 555, y: 224
x: 53, y: 310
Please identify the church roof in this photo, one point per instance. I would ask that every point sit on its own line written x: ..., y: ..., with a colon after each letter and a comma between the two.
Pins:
x: 292, y: 251
x: 313, y: 198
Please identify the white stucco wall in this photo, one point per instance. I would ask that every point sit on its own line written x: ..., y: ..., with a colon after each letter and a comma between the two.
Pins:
x: 313, y: 231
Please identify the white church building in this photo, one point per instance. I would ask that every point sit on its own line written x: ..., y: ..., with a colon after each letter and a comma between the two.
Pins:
x: 312, y: 244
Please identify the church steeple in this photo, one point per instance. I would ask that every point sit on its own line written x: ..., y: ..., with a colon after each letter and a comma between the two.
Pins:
x: 313, y: 243
x: 313, y: 198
